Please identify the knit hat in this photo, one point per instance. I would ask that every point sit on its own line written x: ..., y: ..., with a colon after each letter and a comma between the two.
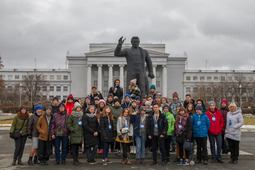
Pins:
x: 178, y: 105
x: 70, y: 97
x: 133, y: 81
x: 87, y: 98
x: 110, y: 95
x: 116, y: 100
x: 211, y: 102
x: 48, y: 107
x: 148, y: 103
x: 138, y: 98
x: 153, y: 87
x: 224, y: 100
x: 101, y: 101
x: 76, y: 104
x: 62, y: 104
x: 158, y: 95
x: 55, y: 98
x: 142, y: 108
x: 133, y: 101
x: 175, y: 94
x: 96, y: 98
x: 198, y: 107
x: 127, y: 95
x: 165, y: 105
x: 38, y: 107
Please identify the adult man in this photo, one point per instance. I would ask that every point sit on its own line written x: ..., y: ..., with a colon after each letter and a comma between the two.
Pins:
x: 116, y: 90
x: 95, y: 93
x: 136, y: 58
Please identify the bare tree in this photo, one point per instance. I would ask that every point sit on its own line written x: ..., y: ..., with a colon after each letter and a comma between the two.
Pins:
x: 1, y: 80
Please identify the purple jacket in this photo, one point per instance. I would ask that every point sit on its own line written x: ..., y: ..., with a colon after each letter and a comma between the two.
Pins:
x: 224, y: 112
x: 60, y: 121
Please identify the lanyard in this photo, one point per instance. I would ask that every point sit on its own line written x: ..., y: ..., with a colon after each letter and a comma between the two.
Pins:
x: 48, y: 120
x: 109, y: 122
x: 134, y: 109
x: 156, y: 118
x: 142, y: 118
x: 128, y: 104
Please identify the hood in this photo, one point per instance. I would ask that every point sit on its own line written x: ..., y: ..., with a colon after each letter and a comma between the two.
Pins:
x: 216, y: 109
x: 237, y: 111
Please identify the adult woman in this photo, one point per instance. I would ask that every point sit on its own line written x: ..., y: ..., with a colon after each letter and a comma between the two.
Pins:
x: 190, y: 109
x: 19, y: 124
x: 134, y: 89
x: 233, y: 131
x: 99, y: 113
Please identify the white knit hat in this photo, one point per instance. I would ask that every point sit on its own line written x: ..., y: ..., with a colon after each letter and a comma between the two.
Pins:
x: 76, y: 104
x: 133, y: 81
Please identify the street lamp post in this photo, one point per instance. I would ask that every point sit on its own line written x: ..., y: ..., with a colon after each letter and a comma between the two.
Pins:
x: 240, y: 95
x: 20, y: 90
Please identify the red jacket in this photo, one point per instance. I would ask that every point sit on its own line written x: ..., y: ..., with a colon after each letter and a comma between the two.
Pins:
x: 216, y: 126
x: 69, y: 107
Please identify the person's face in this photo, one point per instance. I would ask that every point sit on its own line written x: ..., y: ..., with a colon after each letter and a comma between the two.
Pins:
x: 70, y: 100
x: 199, y: 103
x: 94, y: 90
x: 126, y: 113
x: 188, y: 98
x: 175, y: 98
x: 163, y: 101
x: 178, y: 108
x: 39, y: 111
x: 150, y: 99
x: 110, y: 99
x: 147, y: 106
x: 134, y: 104
x: 166, y: 109
x: 96, y: 102
x: 48, y: 112
x: 190, y: 107
x: 117, y: 83
x: 155, y: 108
x: 143, y: 112
x: 117, y: 104
x: 55, y: 102
x: 23, y: 111
x: 127, y: 99
x: 78, y: 109
x: 158, y: 100
x: 79, y: 101
x: 61, y: 108
x: 87, y: 101
x: 212, y: 107
x: 182, y: 113
x: 199, y: 112
x: 135, y: 42
x: 144, y: 100
x: 223, y: 104
x: 91, y: 110
x: 138, y: 102
x: 152, y: 90
x: 101, y: 105
x: 232, y: 108
x: 108, y: 110
x: 132, y: 84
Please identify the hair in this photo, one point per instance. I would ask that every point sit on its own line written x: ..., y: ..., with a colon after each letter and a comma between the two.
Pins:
x: 132, y: 85
x: 91, y: 106
x: 122, y: 114
x: 232, y: 104
x: 94, y: 87
x: 149, y: 97
x: 110, y: 114
x: 188, y: 95
x: 144, y: 98
x: 192, y: 111
x: 165, y: 99
x: 203, y: 105
x: 178, y: 114
x: 156, y: 104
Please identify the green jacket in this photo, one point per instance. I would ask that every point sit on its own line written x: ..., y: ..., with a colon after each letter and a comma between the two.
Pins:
x: 75, y: 130
x: 116, y: 112
x: 171, y: 121
x: 17, y: 123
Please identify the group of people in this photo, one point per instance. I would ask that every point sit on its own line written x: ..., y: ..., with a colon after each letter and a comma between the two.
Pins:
x: 131, y: 122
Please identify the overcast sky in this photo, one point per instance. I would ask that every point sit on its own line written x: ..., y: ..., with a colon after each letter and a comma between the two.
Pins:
x: 220, y: 31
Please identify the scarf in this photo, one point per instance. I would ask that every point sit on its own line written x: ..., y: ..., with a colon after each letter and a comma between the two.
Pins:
x: 90, y: 115
x: 183, y: 121
x: 77, y: 115
x: 23, y: 116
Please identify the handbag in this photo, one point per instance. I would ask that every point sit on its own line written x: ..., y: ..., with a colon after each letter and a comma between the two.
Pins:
x: 61, y: 131
x: 188, y: 145
x: 226, y: 146
x: 17, y: 133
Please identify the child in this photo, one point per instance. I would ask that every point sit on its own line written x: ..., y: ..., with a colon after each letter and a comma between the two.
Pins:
x: 224, y: 110
x: 99, y: 113
x: 74, y: 125
x: 127, y: 102
x: 107, y: 132
x: 183, y: 131
x: 124, y: 134
x: 171, y: 120
x: 134, y: 89
x: 90, y: 133
x: 133, y: 109
x: 201, y: 125
x: 69, y: 104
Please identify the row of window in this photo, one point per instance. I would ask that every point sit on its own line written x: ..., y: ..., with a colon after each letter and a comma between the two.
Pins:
x: 45, y: 77
x: 216, y: 78
x: 45, y: 88
x: 209, y: 89
x: 117, y: 73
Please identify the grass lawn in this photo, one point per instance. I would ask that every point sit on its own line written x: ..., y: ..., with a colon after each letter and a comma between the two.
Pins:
x: 249, y: 121
x: 6, y: 121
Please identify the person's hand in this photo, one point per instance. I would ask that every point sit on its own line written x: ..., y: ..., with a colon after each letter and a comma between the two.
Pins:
x: 162, y: 136
x: 95, y: 133
x: 53, y: 136
x: 114, y: 91
x: 69, y: 137
x: 151, y: 75
x: 121, y: 41
x: 188, y: 140
x: 120, y: 137
x: 149, y: 137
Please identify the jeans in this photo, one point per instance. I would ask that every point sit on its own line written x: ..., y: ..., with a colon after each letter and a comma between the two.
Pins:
x: 181, y: 151
x: 157, y: 141
x: 173, y: 142
x: 19, y: 147
x: 105, y: 149
x: 140, y: 146
x: 125, y: 149
x: 167, y: 146
x: 64, y: 141
x: 234, y: 149
x: 44, y: 150
x: 212, y: 146
x: 91, y: 153
x: 202, y: 149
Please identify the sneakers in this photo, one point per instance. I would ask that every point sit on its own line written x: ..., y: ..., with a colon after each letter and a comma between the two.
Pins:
x: 118, y: 152
x: 179, y: 163
x: 185, y: 163
x: 104, y: 162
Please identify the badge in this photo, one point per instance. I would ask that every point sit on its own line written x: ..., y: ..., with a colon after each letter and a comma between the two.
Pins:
x: 180, y: 126
x: 213, y: 119
x: 199, y: 123
x: 79, y: 122
x: 126, y: 128
x: 229, y: 122
x: 142, y: 126
x: 156, y: 125
x: 110, y: 126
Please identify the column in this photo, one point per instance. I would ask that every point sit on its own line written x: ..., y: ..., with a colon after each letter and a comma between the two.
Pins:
x: 88, y: 79
x: 99, y: 78
x: 154, y: 72
x: 110, y: 81
x: 164, y: 78
x: 122, y: 76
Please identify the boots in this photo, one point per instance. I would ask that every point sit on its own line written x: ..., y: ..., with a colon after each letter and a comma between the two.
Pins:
x: 36, y: 160
x: 123, y: 161
x: 137, y: 161
x: 20, y: 162
x: 14, y: 162
x: 128, y: 162
x: 142, y: 161
x: 30, y: 160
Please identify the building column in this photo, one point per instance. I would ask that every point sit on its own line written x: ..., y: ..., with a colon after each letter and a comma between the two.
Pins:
x: 154, y: 72
x: 99, y: 78
x: 88, y: 79
x: 164, y: 78
x: 110, y: 81
x: 122, y: 76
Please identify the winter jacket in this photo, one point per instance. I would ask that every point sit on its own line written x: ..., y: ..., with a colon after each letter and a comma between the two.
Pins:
x: 31, y: 126
x: 122, y: 122
x: 55, y: 109
x: 187, y: 133
x: 234, y: 124
x: 162, y: 125
x: 134, y: 92
x: 92, y: 96
x: 90, y: 125
x: 44, y: 129
x: 116, y: 112
x: 125, y: 105
x: 200, y: 129
x: 119, y: 92
x: 60, y: 121
x: 75, y: 130
x: 170, y: 119
x: 136, y: 121
x: 216, y: 126
x: 107, y: 134
x: 18, y: 121
x: 173, y: 105
x: 224, y: 111
x: 185, y: 104
x: 69, y: 107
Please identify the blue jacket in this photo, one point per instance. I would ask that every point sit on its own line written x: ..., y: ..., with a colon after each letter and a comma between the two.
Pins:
x: 200, y: 131
x: 135, y: 120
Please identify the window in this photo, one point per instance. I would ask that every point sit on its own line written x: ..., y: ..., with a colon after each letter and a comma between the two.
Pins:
x: 106, y: 83
x: 58, y: 77
x: 44, y: 97
x: 250, y: 99
x: 44, y: 77
x: 157, y: 73
x: 64, y: 97
x: 222, y: 78
x: 51, y: 97
x: 59, y: 97
x: 195, y: 89
x: 23, y: 77
x: 243, y: 99
x: 116, y: 73
x: 58, y: 88
x: 9, y: 77
x: 106, y: 73
x: 51, y: 77
x: 65, y: 88
x: 158, y: 84
x: 3, y: 77
x: 44, y: 88
x: 187, y: 77
x: 51, y: 88
x: 216, y: 78
x: 187, y: 89
x: 16, y: 77
x: 65, y: 77
x: 209, y: 78
x: 95, y: 82
x: 250, y: 78
x: 95, y: 74
x: 202, y: 78
x: 229, y: 78
x: 194, y: 77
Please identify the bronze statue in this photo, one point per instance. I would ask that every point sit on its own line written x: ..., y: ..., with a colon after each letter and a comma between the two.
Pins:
x: 136, y: 58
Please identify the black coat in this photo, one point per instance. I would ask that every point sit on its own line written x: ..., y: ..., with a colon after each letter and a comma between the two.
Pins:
x: 55, y: 109
x: 92, y: 97
x: 119, y: 92
x: 162, y: 125
x: 90, y: 125
x: 187, y: 134
x: 107, y: 135
x: 185, y: 104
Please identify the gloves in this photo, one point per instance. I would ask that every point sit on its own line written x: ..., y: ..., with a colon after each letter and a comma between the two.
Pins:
x: 130, y: 137
x: 120, y: 137
x: 29, y: 136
